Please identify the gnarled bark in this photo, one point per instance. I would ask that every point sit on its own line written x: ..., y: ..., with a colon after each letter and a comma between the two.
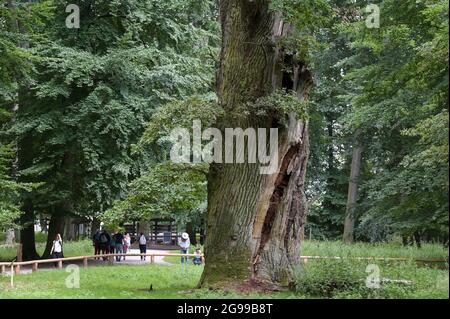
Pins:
x: 254, y: 221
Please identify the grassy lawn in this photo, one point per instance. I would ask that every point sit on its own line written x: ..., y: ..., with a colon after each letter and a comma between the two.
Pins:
x: 117, y: 282
x: 337, y: 248
x: 392, y: 249
x: 71, y: 249
x: 329, y: 279
x: 316, y: 279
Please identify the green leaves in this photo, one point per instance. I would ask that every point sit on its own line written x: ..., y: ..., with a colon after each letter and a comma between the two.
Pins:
x: 90, y: 91
x: 10, y: 190
x: 399, y: 102
x: 165, y: 190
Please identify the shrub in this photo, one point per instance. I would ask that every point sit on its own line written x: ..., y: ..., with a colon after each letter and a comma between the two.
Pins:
x: 325, y: 278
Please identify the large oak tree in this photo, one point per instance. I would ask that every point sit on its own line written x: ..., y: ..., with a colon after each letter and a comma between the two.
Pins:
x: 255, y: 221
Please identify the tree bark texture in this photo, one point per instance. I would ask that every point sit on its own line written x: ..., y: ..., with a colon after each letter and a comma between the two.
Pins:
x: 27, y: 238
x: 254, y: 221
x: 350, y: 218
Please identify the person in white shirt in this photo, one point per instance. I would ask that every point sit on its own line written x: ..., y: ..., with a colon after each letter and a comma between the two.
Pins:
x: 184, y: 243
x: 143, y: 245
x: 57, y: 249
x: 126, y: 244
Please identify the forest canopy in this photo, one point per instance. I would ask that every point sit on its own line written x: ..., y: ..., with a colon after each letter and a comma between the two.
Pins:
x: 85, y: 113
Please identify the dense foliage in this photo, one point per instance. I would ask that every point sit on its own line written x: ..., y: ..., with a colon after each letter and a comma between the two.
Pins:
x: 386, y: 88
x: 86, y: 113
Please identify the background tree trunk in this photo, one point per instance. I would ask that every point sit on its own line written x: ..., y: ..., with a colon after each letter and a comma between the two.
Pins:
x: 10, y: 237
x: 143, y: 227
x: 254, y: 221
x: 349, y: 224
x: 56, y: 226
x: 69, y: 229
x: 27, y: 238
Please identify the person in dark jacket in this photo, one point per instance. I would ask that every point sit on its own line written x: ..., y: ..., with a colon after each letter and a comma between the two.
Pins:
x: 118, y: 239
x: 96, y: 242
x: 104, y: 240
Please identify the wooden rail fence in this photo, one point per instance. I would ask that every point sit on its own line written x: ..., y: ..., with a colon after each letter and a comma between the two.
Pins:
x: 16, y: 266
x: 423, y: 260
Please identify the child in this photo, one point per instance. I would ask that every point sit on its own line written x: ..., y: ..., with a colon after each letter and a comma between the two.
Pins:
x: 198, y: 258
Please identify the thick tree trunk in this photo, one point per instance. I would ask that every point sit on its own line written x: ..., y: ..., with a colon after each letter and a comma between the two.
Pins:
x: 56, y: 226
x: 27, y: 238
x: 254, y: 221
x: 69, y: 229
x: 349, y: 224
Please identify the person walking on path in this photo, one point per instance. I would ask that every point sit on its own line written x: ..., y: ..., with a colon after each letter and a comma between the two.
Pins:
x: 57, y: 248
x: 184, y: 244
x: 143, y: 245
x: 112, y: 244
x: 96, y: 242
x: 104, y: 242
x: 126, y: 244
x: 118, y: 239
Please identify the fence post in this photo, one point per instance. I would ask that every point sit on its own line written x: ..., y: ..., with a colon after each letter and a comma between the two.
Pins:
x: 60, y: 264
x: 12, y: 275
x: 34, y: 267
x: 110, y: 260
x: 85, y: 262
x: 19, y: 253
x: 17, y: 270
x: 152, y: 259
x: 3, y: 269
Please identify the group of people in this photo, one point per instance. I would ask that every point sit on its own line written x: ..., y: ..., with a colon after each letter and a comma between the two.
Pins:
x: 185, y: 243
x: 104, y: 243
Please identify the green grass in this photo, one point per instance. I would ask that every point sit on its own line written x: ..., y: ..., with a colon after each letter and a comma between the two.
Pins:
x: 347, y: 279
x: 392, y: 249
x: 316, y: 279
x: 117, y: 282
x: 319, y: 279
x: 339, y: 249
x: 71, y: 248
x: 176, y: 259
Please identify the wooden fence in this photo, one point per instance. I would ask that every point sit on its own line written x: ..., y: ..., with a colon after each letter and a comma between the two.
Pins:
x: 16, y: 266
x: 420, y: 260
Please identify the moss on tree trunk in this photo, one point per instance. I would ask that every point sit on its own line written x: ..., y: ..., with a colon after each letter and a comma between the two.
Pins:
x: 254, y: 221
